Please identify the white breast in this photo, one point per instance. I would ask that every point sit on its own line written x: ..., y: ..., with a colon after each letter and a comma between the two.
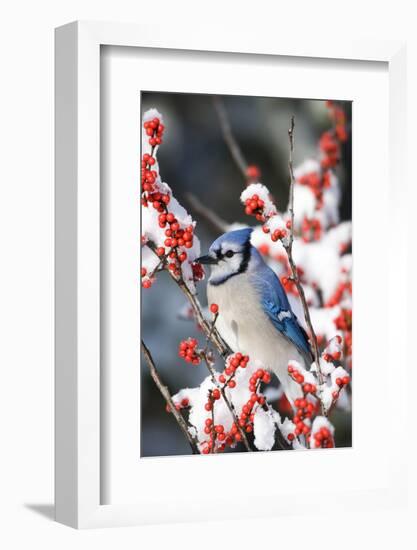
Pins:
x: 246, y: 328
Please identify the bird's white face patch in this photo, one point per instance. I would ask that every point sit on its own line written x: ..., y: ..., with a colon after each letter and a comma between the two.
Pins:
x: 230, y: 257
x: 231, y: 246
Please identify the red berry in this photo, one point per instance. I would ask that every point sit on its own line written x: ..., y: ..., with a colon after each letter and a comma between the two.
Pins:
x: 216, y: 394
x: 266, y: 378
x: 214, y: 308
x: 253, y: 172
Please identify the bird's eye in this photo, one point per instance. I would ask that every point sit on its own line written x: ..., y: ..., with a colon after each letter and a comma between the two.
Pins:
x: 229, y: 254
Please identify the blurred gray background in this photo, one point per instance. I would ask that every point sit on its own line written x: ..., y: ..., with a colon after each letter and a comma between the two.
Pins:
x: 195, y: 159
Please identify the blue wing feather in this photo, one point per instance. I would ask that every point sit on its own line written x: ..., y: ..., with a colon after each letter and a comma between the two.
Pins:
x: 276, y: 306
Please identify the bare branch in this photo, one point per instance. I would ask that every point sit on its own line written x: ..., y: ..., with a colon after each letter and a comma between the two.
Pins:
x: 167, y: 396
x: 293, y: 267
x: 229, y: 137
x: 215, y: 221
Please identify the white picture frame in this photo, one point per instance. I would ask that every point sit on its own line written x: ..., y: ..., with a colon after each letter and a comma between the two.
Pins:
x: 78, y: 426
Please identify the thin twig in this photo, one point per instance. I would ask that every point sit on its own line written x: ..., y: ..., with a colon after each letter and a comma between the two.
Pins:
x: 229, y: 137
x: 293, y: 267
x: 215, y: 221
x: 213, y: 334
x: 208, y: 336
x: 167, y: 396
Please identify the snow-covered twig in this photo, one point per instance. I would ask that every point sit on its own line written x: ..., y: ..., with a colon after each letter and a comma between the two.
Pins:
x: 167, y: 396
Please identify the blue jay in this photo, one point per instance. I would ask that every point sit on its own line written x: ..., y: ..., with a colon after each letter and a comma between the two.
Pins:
x: 255, y: 316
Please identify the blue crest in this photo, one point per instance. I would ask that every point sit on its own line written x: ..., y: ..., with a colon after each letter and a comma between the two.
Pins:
x: 239, y: 236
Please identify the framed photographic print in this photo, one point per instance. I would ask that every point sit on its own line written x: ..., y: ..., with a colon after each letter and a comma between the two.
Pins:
x: 218, y: 300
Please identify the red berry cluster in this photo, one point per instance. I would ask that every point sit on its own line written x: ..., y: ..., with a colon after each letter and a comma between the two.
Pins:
x: 146, y: 281
x: 278, y: 234
x: 339, y: 119
x: 218, y: 435
x: 253, y: 173
x: 155, y: 130
x: 341, y: 382
x: 158, y: 200
x: 329, y: 145
x: 219, y: 439
x: 149, y: 176
x: 295, y: 374
x: 189, y: 352
x: 323, y: 438
x: 289, y: 285
x: 176, y: 237
x: 319, y: 180
x: 343, y: 322
x: 314, y: 181
x: 344, y: 288
x: 234, y: 362
x: 198, y: 272
x: 330, y: 141
x: 334, y: 355
x: 305, y: 408
x: 254, y: 206
x: 311, y: 229
x: 183, y: 404
x: 247, y: 414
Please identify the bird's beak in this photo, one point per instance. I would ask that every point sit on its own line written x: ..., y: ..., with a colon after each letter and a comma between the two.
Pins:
x: 206, y: 260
